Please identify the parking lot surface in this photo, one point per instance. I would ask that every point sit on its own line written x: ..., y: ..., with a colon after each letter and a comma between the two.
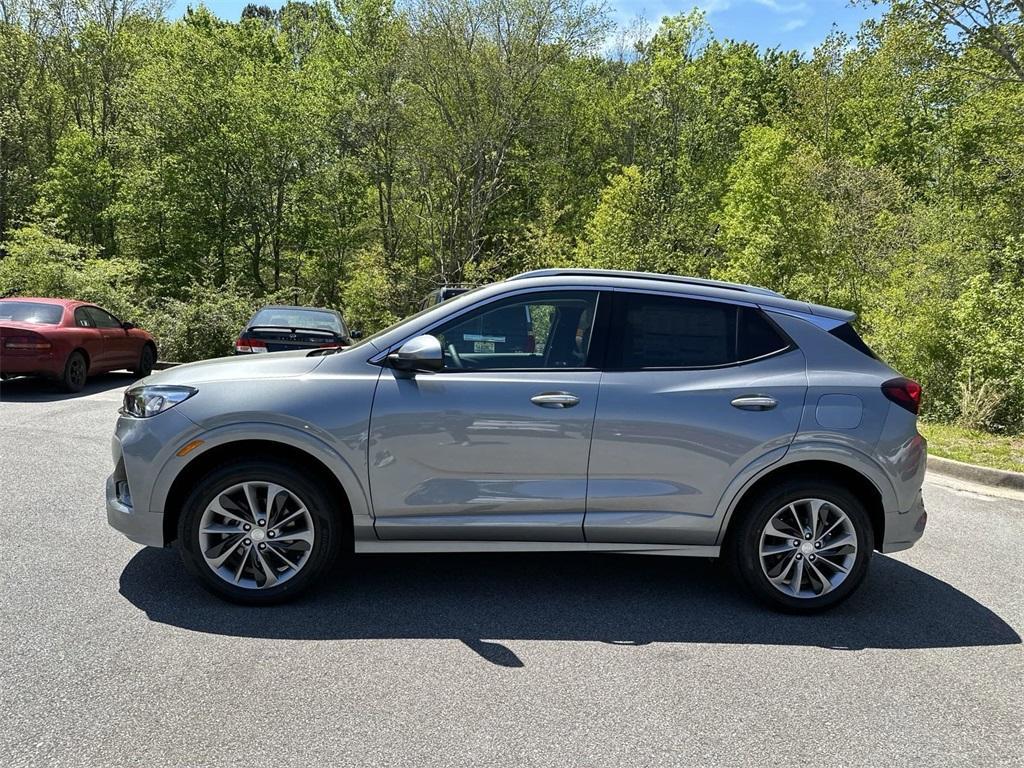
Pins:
x: 114, y: 657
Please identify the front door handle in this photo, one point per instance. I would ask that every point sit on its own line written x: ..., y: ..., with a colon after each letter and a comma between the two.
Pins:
x: 755, y: 403
x: 555, y: 400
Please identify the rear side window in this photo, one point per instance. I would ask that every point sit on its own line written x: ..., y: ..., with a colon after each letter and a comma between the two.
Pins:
x: 655, y: 331
x: 846, y: 332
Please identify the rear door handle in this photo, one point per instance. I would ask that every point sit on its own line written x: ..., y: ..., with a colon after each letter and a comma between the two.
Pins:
x: 555, y: 400
x: 755, y: 403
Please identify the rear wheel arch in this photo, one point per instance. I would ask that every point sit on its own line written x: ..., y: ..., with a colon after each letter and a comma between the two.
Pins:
x: 254, y: 450
x: 819, y: 472
x: 82, y: 351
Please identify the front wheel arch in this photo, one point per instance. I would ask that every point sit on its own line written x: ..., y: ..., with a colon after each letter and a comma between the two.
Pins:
x: 257, y: 450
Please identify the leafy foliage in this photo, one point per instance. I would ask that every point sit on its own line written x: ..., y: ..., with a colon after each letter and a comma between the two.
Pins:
x: 360, y: 153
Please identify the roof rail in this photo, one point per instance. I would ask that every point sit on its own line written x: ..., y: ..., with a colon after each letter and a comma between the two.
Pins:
x: 567, y: 272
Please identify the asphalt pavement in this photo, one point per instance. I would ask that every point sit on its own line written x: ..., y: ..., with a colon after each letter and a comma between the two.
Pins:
x: 112, y: 656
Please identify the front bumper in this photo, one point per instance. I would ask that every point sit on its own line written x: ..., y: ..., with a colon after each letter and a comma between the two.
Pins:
x: 141, y: 527
x: 903, y: 529
x: 141, y: 448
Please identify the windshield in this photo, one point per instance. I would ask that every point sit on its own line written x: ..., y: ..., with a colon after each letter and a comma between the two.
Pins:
x: 31, y: 312
x: 296, y: 317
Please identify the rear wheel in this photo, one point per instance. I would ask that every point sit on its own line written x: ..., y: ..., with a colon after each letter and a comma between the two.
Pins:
x: 75, y: 373
x: 146, y: 360
x: 258, y: 532
x: 803, y: 546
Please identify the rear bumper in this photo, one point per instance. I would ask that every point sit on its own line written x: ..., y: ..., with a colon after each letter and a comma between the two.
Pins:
x: 903, y: 529
x: 30, y: 365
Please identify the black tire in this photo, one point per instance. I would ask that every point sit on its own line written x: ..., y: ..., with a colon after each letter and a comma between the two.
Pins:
x: 76, y: 372
x: 324, y: 513
x: 743, y: 546
x: 146, y: 360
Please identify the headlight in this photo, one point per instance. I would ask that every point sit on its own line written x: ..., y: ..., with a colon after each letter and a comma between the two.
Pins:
x: 145, y: 401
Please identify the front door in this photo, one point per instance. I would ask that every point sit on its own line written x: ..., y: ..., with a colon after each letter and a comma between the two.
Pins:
x: 495, y: 445
x: 118, y: 345
x: 91, y: 340
x: 694, y: 391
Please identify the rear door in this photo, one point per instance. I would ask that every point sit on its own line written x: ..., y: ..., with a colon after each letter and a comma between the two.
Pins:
x: 694, y: 390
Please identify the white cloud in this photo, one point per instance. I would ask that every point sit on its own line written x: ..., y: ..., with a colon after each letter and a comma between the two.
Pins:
x: 793, y: 24
x: 713, y: 6
x: 784, y: 8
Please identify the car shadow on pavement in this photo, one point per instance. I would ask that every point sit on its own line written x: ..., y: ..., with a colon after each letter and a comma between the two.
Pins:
x: 628, y: 600
x: 27, y: 389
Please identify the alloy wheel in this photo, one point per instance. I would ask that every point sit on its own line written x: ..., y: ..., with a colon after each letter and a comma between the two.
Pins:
x: 256, y: 535
x: 808, y: 548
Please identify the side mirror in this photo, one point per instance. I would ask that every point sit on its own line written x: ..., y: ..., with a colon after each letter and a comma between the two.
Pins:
x: 422, y: 353
x: 128, y: 326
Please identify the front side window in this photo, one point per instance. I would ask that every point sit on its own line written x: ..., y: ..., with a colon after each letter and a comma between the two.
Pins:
x: 657, y: 331
x: 532, y: 331
x: 101, y: 319
x: 82, y: 319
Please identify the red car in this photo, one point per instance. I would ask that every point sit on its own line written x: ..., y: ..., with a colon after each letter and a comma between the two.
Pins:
x: 68, y: 341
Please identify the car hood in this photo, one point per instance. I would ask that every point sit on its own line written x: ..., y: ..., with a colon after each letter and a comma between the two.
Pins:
x: 273, y: 365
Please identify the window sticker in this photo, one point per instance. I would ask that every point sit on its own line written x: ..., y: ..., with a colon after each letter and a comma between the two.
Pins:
x: 483, y: 337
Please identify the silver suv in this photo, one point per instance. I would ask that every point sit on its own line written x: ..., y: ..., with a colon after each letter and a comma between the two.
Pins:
x: 631, y: 413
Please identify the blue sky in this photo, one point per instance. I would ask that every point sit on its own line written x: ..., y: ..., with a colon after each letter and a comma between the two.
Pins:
x: 789, y: 24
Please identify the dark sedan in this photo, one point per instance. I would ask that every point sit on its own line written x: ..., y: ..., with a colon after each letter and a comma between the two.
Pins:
x: 277, y: 328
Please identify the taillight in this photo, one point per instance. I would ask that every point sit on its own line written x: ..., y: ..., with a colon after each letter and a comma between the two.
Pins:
x: 246, y: 346
x: 906, y: 393
x: 28, y: 343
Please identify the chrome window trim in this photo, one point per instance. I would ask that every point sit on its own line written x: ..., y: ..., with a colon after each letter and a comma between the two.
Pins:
x: 821, y: 322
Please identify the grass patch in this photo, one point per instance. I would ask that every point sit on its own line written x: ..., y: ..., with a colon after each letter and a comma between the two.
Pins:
x: 988, y: 450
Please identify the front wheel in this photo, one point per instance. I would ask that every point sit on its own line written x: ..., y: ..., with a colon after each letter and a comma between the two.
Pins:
x: 803, y: 546
x: 258, y: 532
x: 146, y: 361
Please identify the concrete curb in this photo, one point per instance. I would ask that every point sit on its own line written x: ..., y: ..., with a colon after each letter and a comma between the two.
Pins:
x: 998, y: 478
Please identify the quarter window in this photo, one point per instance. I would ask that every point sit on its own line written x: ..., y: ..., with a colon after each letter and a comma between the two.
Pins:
x: 654, y: 331
x: 535, y: 331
